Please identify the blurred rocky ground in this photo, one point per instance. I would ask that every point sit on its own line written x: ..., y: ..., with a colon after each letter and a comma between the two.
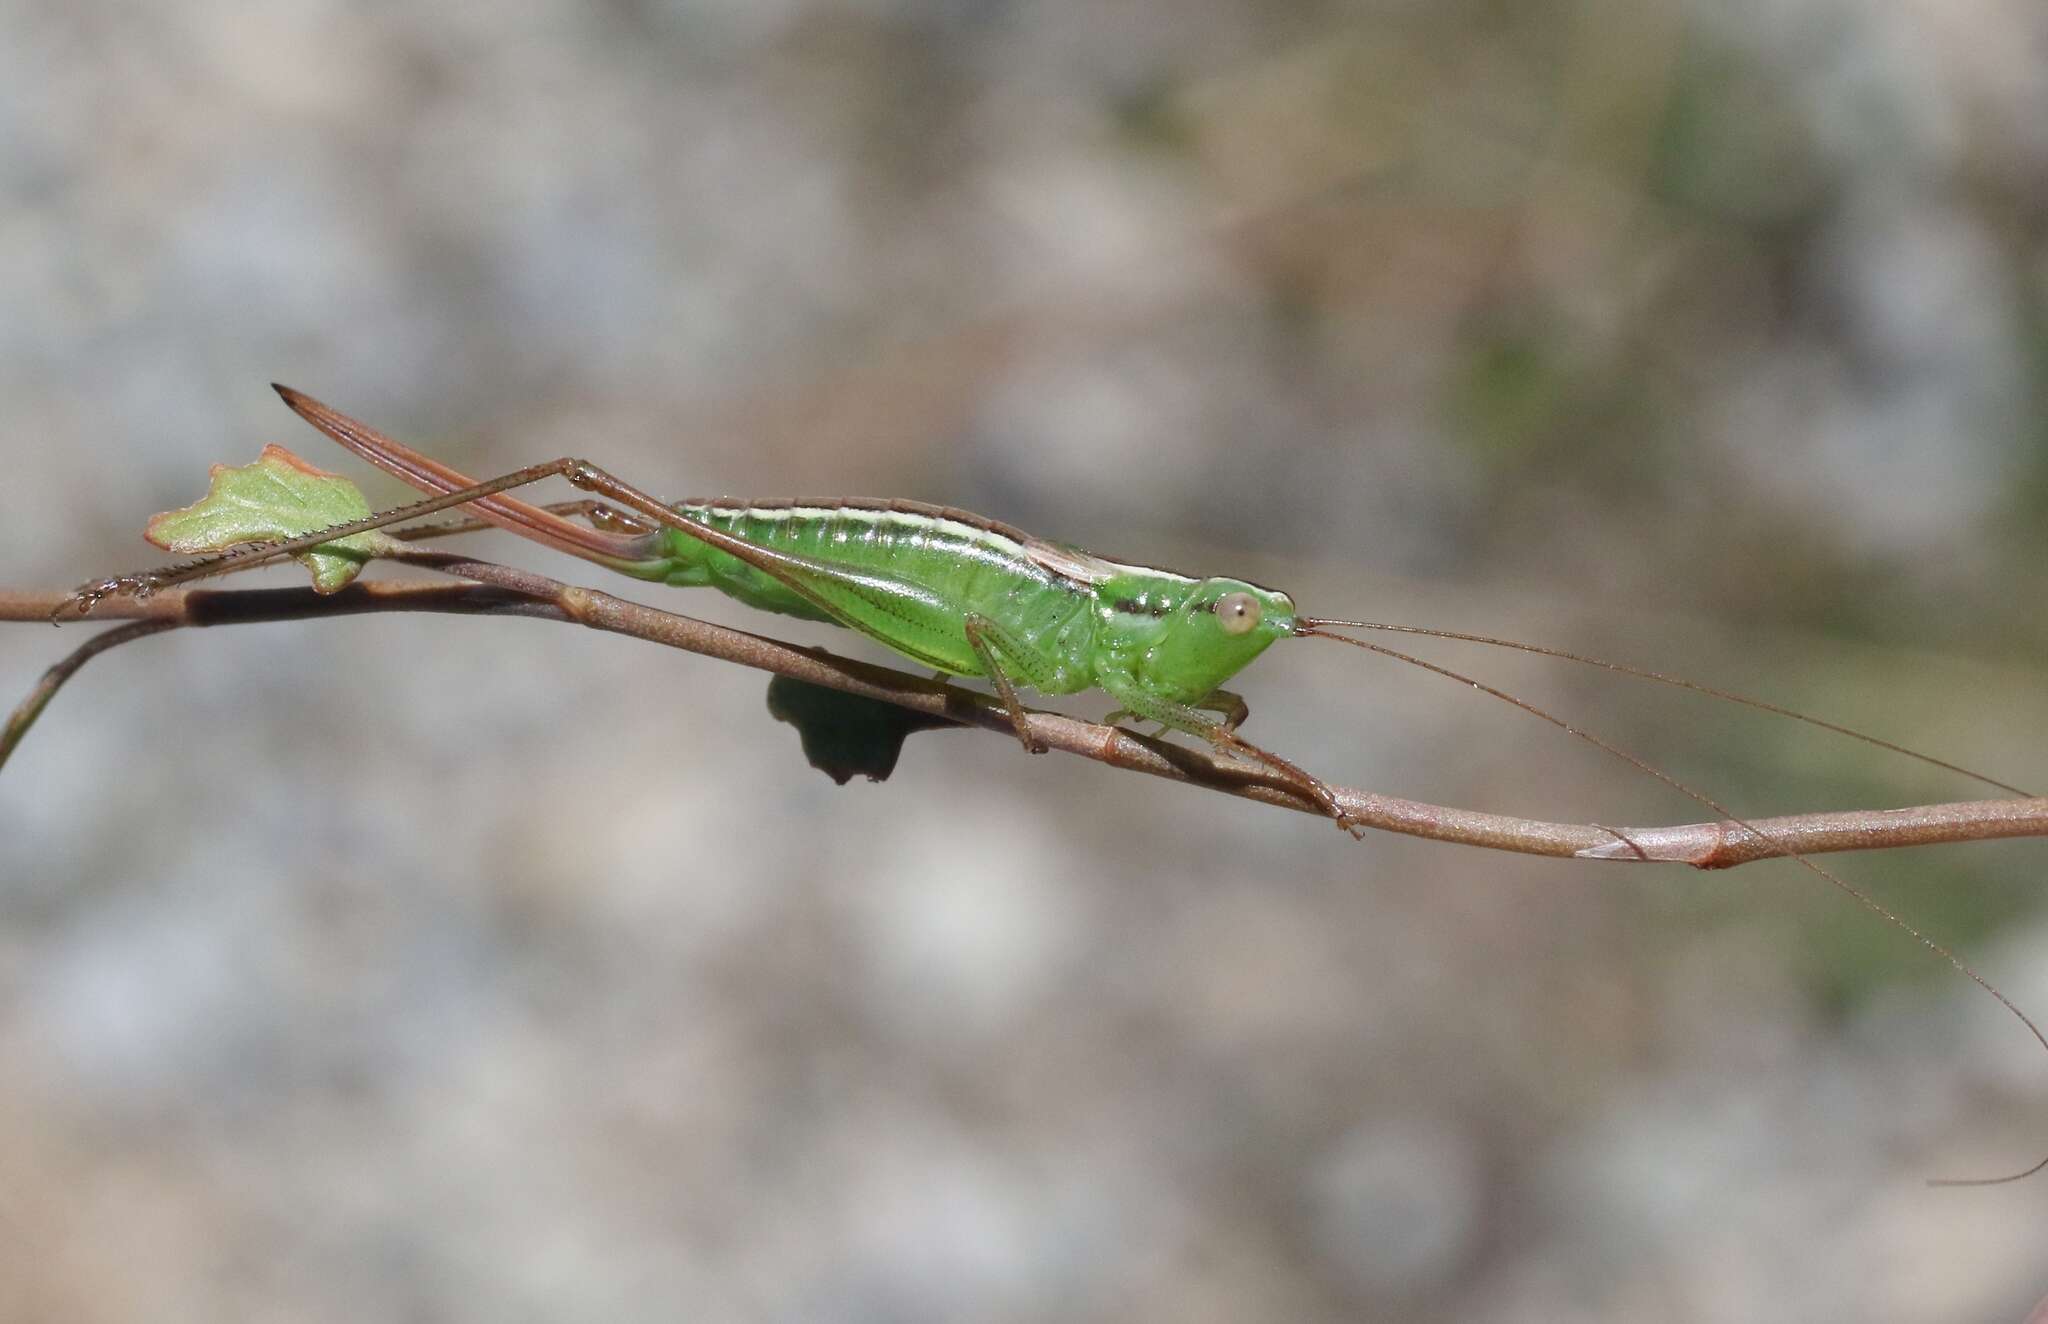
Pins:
x: 431, y: 969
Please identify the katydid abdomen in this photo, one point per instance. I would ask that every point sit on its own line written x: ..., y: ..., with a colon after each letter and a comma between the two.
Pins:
x: 943, y: 566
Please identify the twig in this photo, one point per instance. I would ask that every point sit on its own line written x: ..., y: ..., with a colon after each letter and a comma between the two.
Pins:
x: 45, y: 689
x: 503, y: 590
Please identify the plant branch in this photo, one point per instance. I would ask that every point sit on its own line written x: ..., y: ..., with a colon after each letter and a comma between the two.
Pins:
x: 498, y: 590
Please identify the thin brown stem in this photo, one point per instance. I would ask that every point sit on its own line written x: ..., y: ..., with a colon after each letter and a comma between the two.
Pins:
x: 503, y: 590
x: 46, y: 687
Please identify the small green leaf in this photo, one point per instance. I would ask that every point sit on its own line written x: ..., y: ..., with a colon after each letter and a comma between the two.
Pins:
x: 279, y: 496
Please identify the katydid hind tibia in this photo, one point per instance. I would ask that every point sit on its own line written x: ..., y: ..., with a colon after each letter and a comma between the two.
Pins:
x: 968, y: 596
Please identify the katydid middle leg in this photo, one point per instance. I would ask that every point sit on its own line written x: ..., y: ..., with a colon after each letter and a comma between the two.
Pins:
x: 1229, y: 703
x: 993, y: 644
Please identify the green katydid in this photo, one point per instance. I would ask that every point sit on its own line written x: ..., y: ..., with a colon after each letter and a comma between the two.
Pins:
x: 956, y: 592
x: 962, y: 594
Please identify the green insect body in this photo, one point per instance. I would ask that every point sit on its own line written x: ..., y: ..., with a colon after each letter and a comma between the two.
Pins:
x: 925, y: 580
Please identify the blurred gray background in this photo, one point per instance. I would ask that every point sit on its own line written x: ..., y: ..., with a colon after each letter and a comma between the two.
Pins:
x: 433, y: 969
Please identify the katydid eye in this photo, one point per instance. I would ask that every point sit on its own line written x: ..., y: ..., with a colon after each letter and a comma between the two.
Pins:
x: 1238, y: 613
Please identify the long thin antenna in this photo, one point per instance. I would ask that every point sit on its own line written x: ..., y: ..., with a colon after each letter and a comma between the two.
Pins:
x: 1678, y: 682
x: 1308, y: 629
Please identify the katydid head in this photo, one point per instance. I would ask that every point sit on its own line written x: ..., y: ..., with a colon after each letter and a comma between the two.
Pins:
x: 1213, y: 633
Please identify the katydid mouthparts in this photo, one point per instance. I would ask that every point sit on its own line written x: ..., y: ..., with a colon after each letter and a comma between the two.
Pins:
x: 969, y: 596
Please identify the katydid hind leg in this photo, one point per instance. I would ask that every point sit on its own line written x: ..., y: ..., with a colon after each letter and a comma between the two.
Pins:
x: 249, y: 555
x: 597, y: 512
x: 616, y: 550
x: 802, y: 575
x: 606, y: 547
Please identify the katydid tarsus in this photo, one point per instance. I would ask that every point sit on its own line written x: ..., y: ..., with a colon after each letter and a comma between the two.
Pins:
x: 967, y: 596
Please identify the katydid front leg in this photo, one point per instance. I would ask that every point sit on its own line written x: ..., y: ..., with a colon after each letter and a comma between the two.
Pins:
x: 1233, y: 707
x: 1133, y: 698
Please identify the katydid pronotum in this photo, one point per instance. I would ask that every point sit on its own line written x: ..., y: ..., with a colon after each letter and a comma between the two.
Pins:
x: 966, y: 596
